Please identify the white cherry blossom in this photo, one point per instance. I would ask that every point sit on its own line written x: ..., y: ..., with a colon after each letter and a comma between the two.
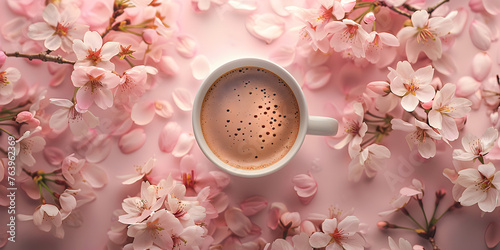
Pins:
x: 421, y: 134
x: 481, y: 187
x: 476, y: 148
x: 92, y: 52
x: 369, y: 160
x: 338, y: 235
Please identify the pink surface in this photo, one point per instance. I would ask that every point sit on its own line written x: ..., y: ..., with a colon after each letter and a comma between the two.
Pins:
x: 221, y: 35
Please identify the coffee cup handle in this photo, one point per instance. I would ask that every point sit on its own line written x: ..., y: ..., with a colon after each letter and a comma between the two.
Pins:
x: 318, y: 125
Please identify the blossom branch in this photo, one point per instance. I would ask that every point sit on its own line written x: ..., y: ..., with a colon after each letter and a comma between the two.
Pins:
x: 43, y: 56
x: 433, y: 8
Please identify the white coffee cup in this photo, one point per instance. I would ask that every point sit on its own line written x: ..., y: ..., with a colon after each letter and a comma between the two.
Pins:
x: 313, y: 125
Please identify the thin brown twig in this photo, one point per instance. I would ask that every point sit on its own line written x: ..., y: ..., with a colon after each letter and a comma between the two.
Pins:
x: 43, y: 56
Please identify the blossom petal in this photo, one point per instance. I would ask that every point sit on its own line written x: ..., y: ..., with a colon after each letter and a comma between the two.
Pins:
x: 266, y: 27
x: 305, y: 186
x: 480, y: 35
x: 186, y: 46
x: 99, y: 148
x: 492, y: 235
x: 467, y: 86
x: 143, y: 112
x: 445, y: 65
x: 492, y: 7
x: 182, y: 98
x: 237, y: 222
x: 95, y: 176
x: 481, y: 66
x: 200, y: 67
x: 319, y: 240
x: 349, y: 224
x: 471, y: 196
x: 168, y: 65
x: 184, y: 145
x: 317, y: 77
x: 409, y: 102
x: 245, y: 5
x: 169, y: 136
x: 132, y: 141
x: 39, y: 31
x: 490, y: 201
x: 253, y: 205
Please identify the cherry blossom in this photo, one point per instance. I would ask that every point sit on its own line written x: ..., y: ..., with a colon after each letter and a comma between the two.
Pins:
x: 139, y: 208
x: 369, y: 160
x: 480, y: 187
x: 378, y: 44
x: 445, y: 109
x: 79, y: 122
x: 46, y: 217
x: 421, y: 134
x: 95, y: 86
x: 424, y: 35
x: 141, y: 171
x: 298, y: 242
x: 266, y: 27
x: 404, y: 195
x: 355, y: 129
x: 92, y: 52
x: 338, y: 235
x: 133, y: 84
x: 347, y: 35
x: 157, y: 231
x: 8, y: 79
x: 59, y: 29
x: 26, y: 145
x: 402, y: 245
x: 412, y: 86
x: 476, y: 148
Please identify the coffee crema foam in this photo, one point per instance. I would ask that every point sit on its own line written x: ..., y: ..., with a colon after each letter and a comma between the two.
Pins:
x: 250, y: 118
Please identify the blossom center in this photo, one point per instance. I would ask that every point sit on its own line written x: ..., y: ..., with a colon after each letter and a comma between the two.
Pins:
x: 424, y: 34
x: 61, y: 30
x: 352, y: 128
x: 325, y: 15
x: 337, y: 236
x: 94, y: 55
x: 486, y: 183
x: 188, y: 179
x: 350, y: 31
x: 446, y: 109
x: 153, y: 225
x: 3, y: 78
x: 411, y: 87
x: 95, y: 82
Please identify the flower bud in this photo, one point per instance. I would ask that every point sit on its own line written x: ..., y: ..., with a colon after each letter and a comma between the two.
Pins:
x: 440, y: 194
x: 369, y: 18
x: 3, y: 57
x: 150, y: 36
x: 427, y: 105
x: 379, y: 87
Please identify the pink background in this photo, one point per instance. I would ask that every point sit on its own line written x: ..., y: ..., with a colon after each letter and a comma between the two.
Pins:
x: 221, y: 36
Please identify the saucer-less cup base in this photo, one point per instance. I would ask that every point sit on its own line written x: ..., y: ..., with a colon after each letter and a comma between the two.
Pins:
x: 308, y: 125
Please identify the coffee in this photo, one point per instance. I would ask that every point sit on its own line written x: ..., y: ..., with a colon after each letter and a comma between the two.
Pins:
x: 250, y: 118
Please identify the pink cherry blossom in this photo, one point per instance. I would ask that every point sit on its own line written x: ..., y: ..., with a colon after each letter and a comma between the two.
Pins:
x: 419, y: 133
x: 404, y: 195
x: 305, y: 186
x: 369, y: 18
x: 445, y: 108
x: 59, y: 28
x: 28, y: 119
x: 424, y: 35
x: 157, y: 231
x: 370, y: 160
x: 338, y: 235
x: 474, y: 147
x: 71, y: 166
x: 347, y: 35
x: 26, y: 145
x: 378, y: 44
x: 133, y: 84
x: 79, y: 122
x: 412, y: 86
x: 95, y: 86
x: 141, y: 171
x: 480, y: 187
x: 8, y: 79
x: 139, y: 208
x: 48, y: 216
x: 92, y: 52
x: 354, y: 128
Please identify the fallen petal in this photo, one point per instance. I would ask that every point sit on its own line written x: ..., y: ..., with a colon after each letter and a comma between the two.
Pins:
x: 186, y: 46
x: 245, y: 5
x: 253, y: 205
x: 467, y: 86
x: 53, y: 155
x: 318, y: 77
x: 266, y: 27
x: 132, y: 141
x: 481, y: 66
x: 200, y: 67
x: 492, y: 235
x: 237, y: 222
x: 99, y: 148
x: 95, y: 176
x: 480, y: 35
x: 491, y: 6
x: 168, y: 65
x: 143, y: 112
x: 184, y: 145
x: 182, y: 98
x: 169, y: 136
x: 305, y: 186
x: 459, y: 21
x: 445, y: 65
x: 163, y: 108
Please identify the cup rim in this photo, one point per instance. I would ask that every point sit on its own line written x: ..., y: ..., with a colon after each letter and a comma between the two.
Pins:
x: 249, y: 62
